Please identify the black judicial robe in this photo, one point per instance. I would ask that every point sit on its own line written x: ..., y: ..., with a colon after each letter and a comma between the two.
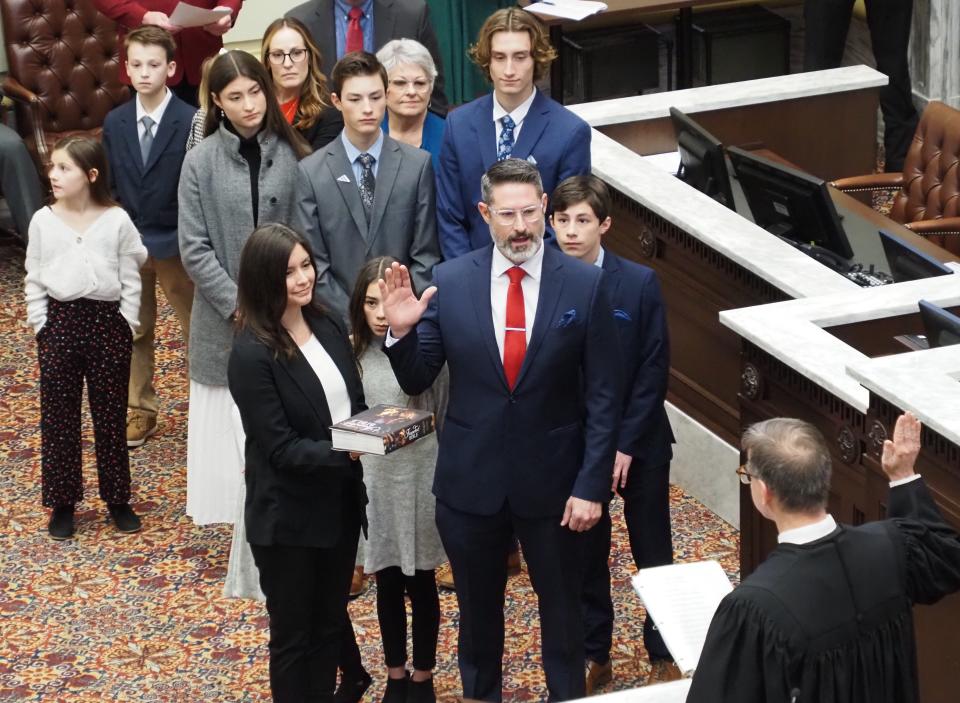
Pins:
x: 832, y: 619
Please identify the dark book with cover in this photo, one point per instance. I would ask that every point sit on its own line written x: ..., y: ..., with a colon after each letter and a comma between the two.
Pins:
x: 381, y: 429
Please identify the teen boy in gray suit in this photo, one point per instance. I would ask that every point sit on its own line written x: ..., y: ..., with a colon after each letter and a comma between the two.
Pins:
x: 365, y: 194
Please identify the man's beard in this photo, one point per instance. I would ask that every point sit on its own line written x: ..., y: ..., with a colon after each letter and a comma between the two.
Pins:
x: 518, y: 257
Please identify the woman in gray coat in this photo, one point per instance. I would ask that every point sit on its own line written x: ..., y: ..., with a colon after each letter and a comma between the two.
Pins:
x: 242, y: 176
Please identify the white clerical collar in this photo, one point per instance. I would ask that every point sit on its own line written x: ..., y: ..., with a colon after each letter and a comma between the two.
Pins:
x: 533, y: 266
x: 157, y: 113
x: 519, y: 113
x: 808, y: 533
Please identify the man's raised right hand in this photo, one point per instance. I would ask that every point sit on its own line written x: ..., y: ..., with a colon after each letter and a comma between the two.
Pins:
x: 400, y: 305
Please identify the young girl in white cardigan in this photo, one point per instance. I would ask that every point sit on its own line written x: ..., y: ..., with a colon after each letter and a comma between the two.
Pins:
x: 83, y: 298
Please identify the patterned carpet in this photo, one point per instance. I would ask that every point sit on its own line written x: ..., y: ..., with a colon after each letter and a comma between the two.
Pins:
x: 140, y: 617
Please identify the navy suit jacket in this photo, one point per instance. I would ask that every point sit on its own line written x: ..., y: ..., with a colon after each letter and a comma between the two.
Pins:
x: 149, y: 192
x: 551, y: 136
x: 641, y: 320
x: 554, y: 435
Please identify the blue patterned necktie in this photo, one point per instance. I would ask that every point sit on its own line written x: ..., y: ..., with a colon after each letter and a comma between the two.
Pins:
x: 505, y: 143
x: 367, y: 183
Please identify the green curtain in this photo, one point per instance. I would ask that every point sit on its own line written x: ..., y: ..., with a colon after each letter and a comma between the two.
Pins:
x: 456, y: 23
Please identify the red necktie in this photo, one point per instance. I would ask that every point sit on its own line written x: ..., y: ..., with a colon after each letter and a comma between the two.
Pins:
x: 515, y: 331
x: 354, y: 32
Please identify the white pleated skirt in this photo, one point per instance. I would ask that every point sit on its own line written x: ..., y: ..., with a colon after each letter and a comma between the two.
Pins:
x: 243, y: 577
x: 214, y: 469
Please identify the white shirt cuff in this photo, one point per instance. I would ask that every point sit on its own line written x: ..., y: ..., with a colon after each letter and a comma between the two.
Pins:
x: 390, y: 340
x: 901, y: 481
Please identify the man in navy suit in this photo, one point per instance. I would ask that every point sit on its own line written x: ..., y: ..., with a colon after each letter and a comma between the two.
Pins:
x: 529, y: 437
x: 145, y: 140
x: 515, y: 121
x: 641, y: 470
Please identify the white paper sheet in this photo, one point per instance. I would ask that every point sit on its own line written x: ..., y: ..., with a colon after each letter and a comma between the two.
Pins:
x: 185, y: 15
x: 669, y: 161
x: 682, y: 599
x: 567, y: 9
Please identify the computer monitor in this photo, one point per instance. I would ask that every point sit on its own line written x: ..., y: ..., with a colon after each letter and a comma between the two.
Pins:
x: 790, y: 203
x: 702, y: 161
x: 941, y: 326
x: 907, y: 263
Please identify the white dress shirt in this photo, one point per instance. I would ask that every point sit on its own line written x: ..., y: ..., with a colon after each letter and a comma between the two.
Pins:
x: 326, y: 370
x: 518, y: 115
x: 156, y: 115
x: 500, y: 284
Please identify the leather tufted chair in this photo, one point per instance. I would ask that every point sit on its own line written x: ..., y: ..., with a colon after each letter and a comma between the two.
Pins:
x: 64, y: 72
x: 928, y: 197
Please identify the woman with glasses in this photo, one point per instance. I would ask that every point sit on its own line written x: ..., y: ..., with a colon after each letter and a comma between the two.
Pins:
x: 410, y: 75
x: 295, y: 63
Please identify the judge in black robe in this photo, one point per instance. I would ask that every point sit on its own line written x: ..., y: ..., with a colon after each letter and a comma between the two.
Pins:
x: 827, y: 617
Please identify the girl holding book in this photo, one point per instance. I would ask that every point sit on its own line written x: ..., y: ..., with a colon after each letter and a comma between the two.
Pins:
x: 403, y: 547
x: 83, y: 299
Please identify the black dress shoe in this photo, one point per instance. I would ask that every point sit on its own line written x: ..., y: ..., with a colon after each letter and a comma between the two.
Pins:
x: 61, y: 523
x: 351, y: 689
x: 124, y: 518
x: 421, y: 691
x: 396, y: 690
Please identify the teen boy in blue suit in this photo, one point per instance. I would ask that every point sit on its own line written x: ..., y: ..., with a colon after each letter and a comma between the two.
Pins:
x: 526, y: 450
x: 641, y: 470
x: 515, y: 121
x: 145, y: 139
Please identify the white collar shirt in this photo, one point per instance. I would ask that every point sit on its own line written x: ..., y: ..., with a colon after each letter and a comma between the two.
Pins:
x: 156, y: 115
x: 808, y: 533
x: 500, y: 283
x: 518, y: 115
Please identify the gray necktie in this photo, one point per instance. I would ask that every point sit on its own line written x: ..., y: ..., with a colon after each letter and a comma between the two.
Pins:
x: 367, y: 183
x: 147, y: 140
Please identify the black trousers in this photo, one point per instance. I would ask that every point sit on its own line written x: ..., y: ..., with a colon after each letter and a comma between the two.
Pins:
x: 83, y: 340
x: 477, y: 546
x: 646, y: 510
x: 307, y: 590
x: 392, y: 584
x: 825, y: 37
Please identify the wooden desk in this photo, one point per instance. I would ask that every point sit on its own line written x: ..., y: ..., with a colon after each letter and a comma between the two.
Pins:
x: 684, y: 42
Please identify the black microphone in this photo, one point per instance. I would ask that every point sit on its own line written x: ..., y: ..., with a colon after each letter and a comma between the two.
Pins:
x: 795, y: 695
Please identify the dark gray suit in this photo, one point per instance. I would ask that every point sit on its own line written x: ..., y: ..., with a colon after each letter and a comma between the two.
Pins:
x: 392, y: 19
x: 402, y: 224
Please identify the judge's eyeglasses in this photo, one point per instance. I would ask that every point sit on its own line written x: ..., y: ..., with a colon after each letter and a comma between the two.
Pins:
x: 745, y: 476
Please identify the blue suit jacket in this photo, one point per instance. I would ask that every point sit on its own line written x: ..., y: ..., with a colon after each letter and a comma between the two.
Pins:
x: 554, y: 435
x: 149, y: 192
x: 553, y: 137
x: 641, y: 320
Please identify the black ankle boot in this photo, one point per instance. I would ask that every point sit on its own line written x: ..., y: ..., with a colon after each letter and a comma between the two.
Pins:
x: 352, y: 688
x: 61, y: 522
x: 421, y: 692
x: 396, y: 690
x: 124, y: 518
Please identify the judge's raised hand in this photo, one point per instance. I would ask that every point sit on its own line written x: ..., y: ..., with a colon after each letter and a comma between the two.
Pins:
x: 900, y: 455
x: 400, y: 306
x: 580, y: 515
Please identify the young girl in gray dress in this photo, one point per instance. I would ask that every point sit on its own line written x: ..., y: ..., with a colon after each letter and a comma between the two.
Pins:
x: 403, y: 548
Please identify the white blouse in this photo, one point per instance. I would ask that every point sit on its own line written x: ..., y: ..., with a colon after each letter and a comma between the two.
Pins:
x: 102, y: 263
x: 334, y: 387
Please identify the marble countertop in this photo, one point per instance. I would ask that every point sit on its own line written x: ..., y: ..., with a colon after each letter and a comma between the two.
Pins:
x: 793, y: 332
x: 927, y: 383
x: 718, y: 97
x: 717, y: 226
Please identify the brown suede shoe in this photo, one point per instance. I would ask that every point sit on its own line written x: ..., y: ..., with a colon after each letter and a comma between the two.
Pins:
x: 598, y: 675
x: 662, y: 671
x: 445, y: 577
x: 513, y: 563
x: 359, y: 584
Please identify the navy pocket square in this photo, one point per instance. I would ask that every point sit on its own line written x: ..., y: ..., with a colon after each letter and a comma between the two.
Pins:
x: 622, y: 315
x: 567, y: 319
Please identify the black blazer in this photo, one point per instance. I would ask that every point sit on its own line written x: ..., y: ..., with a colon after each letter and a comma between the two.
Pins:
x: 327, y: 127
x: 296, y: 483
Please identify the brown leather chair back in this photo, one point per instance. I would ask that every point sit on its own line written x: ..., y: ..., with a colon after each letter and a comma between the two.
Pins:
x: 66, y: 54
x: 931, y: 188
